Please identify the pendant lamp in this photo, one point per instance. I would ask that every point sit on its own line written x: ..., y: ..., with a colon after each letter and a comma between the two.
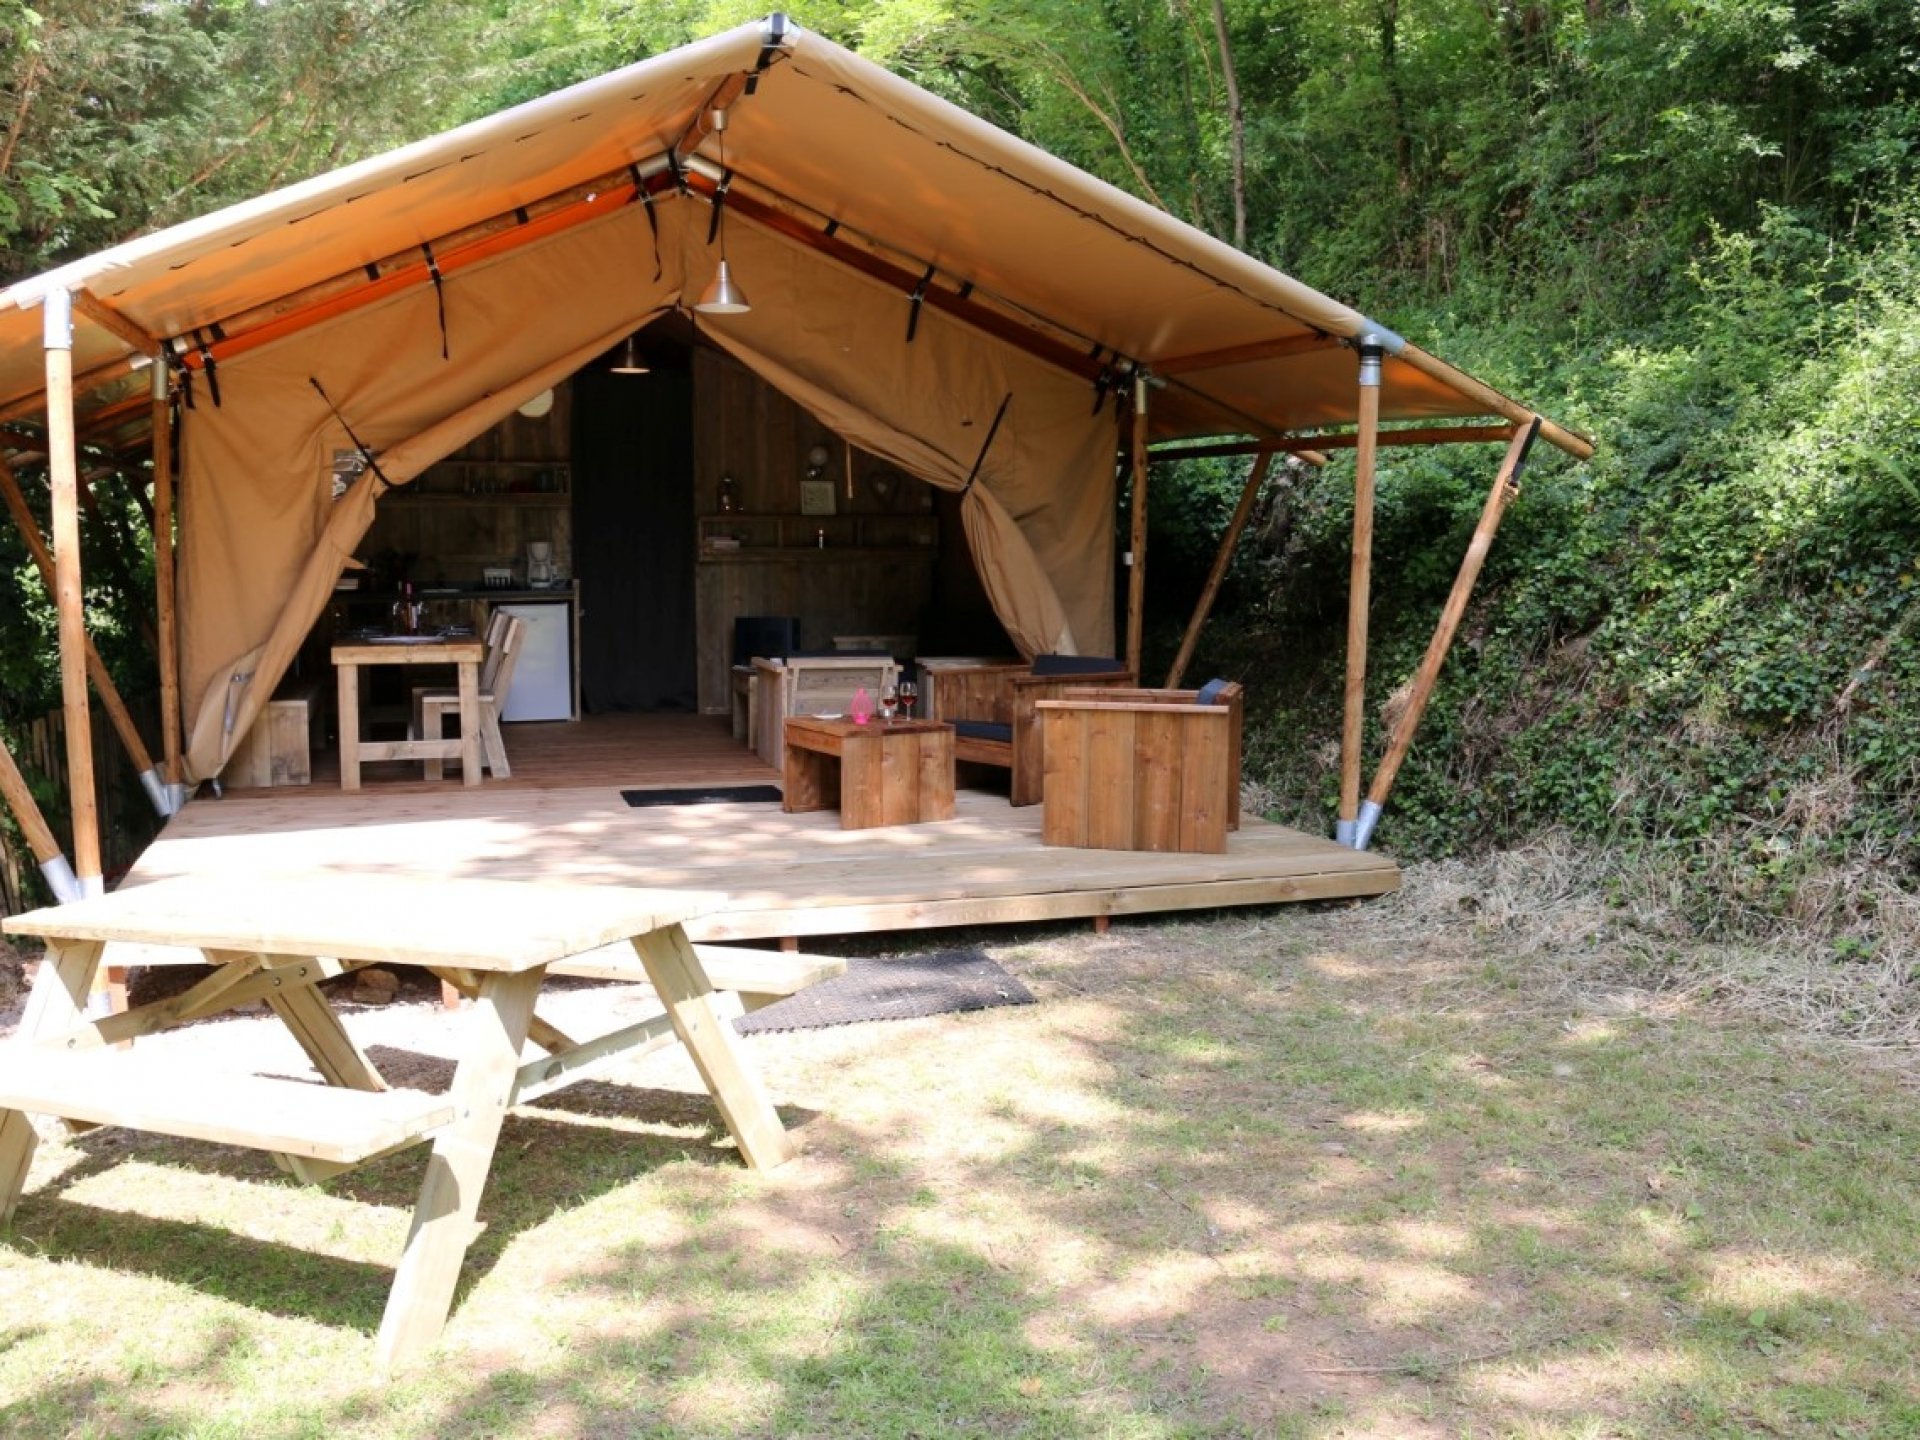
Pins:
x: 631, y: 361
x: 722, y: 296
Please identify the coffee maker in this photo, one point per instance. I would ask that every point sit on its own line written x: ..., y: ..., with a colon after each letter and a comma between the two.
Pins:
x: 540, y: 573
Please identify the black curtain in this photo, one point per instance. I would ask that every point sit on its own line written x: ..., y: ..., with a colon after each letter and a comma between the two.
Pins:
x: 633, y: 524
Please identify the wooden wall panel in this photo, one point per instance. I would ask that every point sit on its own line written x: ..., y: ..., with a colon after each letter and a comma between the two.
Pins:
x: 748, y: 430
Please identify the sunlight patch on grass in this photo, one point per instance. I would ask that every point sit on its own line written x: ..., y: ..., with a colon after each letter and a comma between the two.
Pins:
x: 1590, y: 1031
x: 1376, y: 1123
x: 1758, y: 1280
x: 1603, y: 1381
x: 1431, y: 1239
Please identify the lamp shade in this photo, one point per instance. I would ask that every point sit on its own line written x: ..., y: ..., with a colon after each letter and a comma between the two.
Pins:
x: 722, y: 296
x: 631, y: 361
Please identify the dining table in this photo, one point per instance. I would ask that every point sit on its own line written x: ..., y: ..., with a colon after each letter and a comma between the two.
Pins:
x: 464, y: 652
x: 277, y: 938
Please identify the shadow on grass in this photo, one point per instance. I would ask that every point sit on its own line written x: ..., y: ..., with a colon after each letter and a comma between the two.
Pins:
x: 1228, y: 1179
x: 557, y: 1156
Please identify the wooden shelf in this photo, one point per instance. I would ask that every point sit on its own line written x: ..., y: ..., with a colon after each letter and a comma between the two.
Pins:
x: 470, y: 463
x: 788, y: 535
x: 534, y: 498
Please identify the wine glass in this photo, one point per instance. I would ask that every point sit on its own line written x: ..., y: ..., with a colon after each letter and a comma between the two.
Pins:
x: 889, y: 700
x: 909, y: 692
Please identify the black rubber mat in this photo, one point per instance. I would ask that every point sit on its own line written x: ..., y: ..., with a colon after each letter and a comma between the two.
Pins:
x: 933, y: 984
x: 700, y: 795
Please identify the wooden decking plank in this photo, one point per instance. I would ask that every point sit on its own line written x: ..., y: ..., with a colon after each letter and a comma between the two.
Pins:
x: 782, y: 874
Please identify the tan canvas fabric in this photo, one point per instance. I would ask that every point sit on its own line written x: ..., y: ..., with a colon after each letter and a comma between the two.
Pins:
x: 837, y: 137
x: 262, y: 541
x: 1041, y: 512
x: 256, y: 480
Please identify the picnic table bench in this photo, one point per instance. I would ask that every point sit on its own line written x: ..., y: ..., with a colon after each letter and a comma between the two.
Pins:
x: 276, y: 938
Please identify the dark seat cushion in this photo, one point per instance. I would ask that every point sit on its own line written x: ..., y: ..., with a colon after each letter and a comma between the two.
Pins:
x: 1075, y: 664
x: 1210, y: 692
x: 983, y: 730
x: 763, y: 635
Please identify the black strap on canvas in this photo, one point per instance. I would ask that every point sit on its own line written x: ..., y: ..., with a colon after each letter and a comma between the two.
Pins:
x: 719, y: 203
x: 365, y: 454
x: 913, y: 306
x: 439, y: 296
x: 645, y: 197
x: 209, y: 364
x: 770, y: 51
x: 987, y: 444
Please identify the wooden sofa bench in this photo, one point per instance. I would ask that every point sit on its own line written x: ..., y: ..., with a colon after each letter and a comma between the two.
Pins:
x: 991, y: 709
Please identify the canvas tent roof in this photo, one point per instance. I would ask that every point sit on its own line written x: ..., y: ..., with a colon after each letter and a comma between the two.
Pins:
x: 437, y: 286
x: 828, y: 137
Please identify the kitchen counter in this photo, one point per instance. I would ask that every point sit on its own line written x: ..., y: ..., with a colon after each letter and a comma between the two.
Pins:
x: 517, y: 595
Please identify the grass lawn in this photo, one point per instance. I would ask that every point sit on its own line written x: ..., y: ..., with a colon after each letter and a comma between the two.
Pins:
x: 1388, y: 1171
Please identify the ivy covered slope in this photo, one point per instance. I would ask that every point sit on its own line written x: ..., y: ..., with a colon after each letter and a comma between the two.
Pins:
x: 1700, y: 643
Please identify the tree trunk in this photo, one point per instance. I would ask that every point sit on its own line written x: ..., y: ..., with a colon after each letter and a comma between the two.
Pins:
x: 1236, y: 126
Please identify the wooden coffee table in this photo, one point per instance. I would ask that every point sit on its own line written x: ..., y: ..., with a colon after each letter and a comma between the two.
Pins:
x: 885, y: 772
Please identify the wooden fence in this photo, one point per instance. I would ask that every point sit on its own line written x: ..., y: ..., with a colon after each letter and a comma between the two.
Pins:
x: 127, y: 821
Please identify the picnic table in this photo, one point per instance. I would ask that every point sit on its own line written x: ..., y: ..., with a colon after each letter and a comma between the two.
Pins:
x: 276, y: 938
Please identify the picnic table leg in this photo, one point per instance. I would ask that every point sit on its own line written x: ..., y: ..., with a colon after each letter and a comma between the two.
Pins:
x: 495, y: 1027
x: 334, y: 1054
x: 683, y: 988
x: 58, y: 1002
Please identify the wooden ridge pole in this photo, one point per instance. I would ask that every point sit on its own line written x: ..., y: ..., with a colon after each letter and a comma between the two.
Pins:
x: 1506, y: 485
x: 96, y: 668
x: 63, y: 472
x: 1218, y: 575
x: 1137, y: 545
x: 33, y: 825
x: 163, y: 585
x: 1421, y: 435
x: 1359, y: 594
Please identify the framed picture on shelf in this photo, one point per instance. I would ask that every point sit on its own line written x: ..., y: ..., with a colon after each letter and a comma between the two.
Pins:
x: 816, y: 497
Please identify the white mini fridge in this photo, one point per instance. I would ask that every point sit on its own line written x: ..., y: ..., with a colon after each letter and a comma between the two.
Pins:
x: 543, y: 675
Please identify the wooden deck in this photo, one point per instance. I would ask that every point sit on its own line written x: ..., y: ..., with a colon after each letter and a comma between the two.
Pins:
x: 561, y: 818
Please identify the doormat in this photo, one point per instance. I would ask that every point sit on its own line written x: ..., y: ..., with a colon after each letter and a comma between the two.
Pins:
x: 937, y: 983
x: 700, y: 795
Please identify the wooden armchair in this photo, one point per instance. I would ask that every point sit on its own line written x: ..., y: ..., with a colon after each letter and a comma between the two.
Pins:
x: 991, y: 709
x: 1142, y: 769
x: 809, y: 685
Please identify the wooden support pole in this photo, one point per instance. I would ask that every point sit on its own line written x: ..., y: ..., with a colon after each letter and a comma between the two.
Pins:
x: 96, y: 668
x: 1249, y: 494
x: 1359, y: 594
x: 1137, y: 545
x: 33, y: 825
x: 92, y: 307
x: 163, y: 584
x: 1506, y: 485
x: 63, y: 472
